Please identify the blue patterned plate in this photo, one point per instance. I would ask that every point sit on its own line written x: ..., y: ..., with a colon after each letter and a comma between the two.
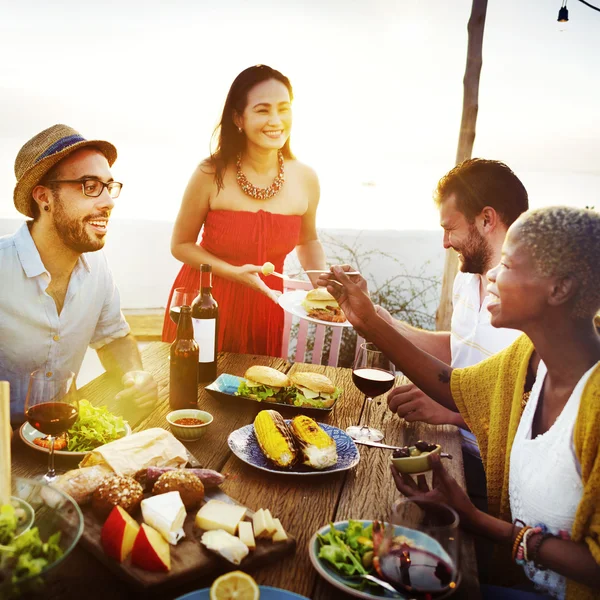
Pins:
x: 266, y: 593
x: 325, y: 570
x: 225, y: 386
x: 244, y: 445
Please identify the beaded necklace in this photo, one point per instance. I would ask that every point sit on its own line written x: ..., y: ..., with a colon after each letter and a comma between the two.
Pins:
x: 256, y: 192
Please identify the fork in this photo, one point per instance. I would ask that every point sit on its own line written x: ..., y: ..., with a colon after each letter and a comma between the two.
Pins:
x: 384, y: 584
x: 320, y: 271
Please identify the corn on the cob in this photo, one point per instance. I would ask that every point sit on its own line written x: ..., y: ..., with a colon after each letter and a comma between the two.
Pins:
x: 318, y: 448
x: 274, y: 438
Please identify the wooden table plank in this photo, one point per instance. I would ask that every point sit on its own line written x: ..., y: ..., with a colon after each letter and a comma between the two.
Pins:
x: 370, y: 491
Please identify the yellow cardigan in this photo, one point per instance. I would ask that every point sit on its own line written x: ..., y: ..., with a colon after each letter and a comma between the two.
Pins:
x: 488, y: 396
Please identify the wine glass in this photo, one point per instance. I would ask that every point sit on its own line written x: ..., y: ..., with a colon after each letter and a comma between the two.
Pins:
x: 419, y: 550
x: 181, y: 297
x: 373, y: 374
x: 52, y: 407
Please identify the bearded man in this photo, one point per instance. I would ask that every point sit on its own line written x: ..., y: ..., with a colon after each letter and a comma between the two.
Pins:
x: 58, y: 295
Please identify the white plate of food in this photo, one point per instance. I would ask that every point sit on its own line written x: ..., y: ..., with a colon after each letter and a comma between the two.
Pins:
x: 106, y: 428
x: 244, y: 444
x: 318, y: 302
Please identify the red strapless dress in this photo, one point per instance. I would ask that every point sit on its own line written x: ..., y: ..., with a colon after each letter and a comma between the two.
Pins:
x: 249, y: 322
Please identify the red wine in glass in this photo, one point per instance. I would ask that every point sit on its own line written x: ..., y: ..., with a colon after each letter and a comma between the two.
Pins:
x: 52, y: 418
x: 174, y: 313
x: 373, y: 374
x: 372, y: 382
x: 417, y: 571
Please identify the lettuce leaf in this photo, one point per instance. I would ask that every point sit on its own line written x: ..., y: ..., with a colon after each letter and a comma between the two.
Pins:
x: 94, y: 427
x: 261, y: 393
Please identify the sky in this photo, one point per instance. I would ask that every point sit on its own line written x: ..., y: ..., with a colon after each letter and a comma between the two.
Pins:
x: 377, y: 85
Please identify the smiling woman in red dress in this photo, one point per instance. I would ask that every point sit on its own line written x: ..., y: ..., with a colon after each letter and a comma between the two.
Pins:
x: 254, y: 203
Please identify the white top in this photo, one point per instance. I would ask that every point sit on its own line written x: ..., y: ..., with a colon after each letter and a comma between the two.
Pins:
x: 32, y: 333
x: 545, y: 476
x: 472, y: 337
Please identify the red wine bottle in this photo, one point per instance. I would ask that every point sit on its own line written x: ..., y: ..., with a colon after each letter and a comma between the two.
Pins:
x: 205, y: 318
x: 183, y: 385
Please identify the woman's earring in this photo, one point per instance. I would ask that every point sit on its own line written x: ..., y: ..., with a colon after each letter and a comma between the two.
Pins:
x: 46, y: 208
x: 240, y: 129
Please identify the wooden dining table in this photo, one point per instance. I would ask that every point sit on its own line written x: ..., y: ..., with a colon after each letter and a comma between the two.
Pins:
x: 304, y: 504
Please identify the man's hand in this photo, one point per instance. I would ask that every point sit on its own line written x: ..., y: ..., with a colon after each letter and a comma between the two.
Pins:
x: 353, y: 300
x: 410, y: 403
x: 140, y: 390
x: 445, y: 490
x: 325, y: 278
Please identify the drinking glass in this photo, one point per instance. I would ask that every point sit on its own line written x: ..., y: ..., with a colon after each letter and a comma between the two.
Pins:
x: 181, y: 297
x: 52, y: 407
x: 373, y: 374
x: 419, y: 551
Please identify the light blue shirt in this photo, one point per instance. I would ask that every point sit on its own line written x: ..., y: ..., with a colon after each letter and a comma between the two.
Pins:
x: 32, y: 333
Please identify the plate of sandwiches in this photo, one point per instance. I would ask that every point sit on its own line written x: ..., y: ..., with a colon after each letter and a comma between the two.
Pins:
x: 317, y: 306
x: 303, y: 390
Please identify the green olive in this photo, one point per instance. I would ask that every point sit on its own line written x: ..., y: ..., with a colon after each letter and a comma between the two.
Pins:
x: 415, y: 452
x: 364, y: 541
x: 367, y: 559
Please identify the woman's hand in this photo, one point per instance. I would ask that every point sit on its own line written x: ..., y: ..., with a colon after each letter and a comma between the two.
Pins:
x: 445, y: 490
x: 248, y: 275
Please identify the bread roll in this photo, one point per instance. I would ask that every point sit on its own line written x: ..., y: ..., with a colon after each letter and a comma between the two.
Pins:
x: 80, y: 484
x: 313, y: 381
x: 117, y: 490
x: 267, y: 376
x: 189, y: 486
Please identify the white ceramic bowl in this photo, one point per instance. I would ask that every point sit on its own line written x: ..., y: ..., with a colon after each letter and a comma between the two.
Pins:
x: 189, y: 433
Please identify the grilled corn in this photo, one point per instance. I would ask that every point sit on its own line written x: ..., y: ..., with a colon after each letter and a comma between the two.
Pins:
x: 318, y: 448
x: 274, y: 438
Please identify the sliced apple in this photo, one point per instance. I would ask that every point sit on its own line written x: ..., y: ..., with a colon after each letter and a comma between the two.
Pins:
x: 118, y: 534
x: 151, y: 550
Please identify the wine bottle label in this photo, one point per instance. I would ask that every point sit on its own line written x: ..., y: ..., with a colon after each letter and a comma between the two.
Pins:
x: 204, y: 334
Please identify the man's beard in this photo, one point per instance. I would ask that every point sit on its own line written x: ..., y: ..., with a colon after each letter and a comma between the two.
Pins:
x: 72, y: 231
x: 476, y: 253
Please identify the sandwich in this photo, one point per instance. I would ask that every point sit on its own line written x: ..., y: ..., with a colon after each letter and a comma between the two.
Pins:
x: 320, y: 304
x: 263, y: 384
x: 312, y: 390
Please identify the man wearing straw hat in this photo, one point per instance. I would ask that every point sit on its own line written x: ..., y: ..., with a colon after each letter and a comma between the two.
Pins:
x: 57, y: 295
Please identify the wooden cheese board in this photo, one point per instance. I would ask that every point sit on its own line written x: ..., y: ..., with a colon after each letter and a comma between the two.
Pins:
x: 189, y: 558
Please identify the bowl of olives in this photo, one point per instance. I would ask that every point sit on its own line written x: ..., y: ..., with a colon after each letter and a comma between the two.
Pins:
x: 414, y: 459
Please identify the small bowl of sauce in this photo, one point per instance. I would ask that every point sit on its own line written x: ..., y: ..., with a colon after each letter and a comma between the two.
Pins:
x: 189, y: 424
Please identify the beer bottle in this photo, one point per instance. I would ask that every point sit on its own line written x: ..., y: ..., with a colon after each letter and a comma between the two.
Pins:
x: 205, y: 317
x: 183, y: 385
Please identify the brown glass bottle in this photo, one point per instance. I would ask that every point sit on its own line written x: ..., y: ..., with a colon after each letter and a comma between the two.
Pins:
x: 183, y: 386
x: 205, y: 318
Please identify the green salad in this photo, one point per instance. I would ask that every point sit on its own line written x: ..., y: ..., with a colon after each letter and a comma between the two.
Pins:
x: 94, y: 427
x: 349, y: 552
x: 23, y: 556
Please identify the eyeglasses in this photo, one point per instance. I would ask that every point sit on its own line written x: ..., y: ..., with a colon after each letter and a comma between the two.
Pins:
x: 93, y: 187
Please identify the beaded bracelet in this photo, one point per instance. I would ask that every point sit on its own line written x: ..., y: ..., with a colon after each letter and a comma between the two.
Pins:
x: 518, y: 540
x: 522, y: 556
x: 536, y: 550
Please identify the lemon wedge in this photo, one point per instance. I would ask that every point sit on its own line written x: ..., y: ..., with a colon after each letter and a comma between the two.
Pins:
x: 235, y: 585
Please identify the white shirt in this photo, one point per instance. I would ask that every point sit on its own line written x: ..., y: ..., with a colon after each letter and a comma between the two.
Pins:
x: 473, y: 338
x: 545, y: 476
x: 32, y: 333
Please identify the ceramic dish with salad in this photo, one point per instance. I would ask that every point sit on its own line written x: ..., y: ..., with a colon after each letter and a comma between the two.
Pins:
x: 344, y: 551
x: 95, y: 426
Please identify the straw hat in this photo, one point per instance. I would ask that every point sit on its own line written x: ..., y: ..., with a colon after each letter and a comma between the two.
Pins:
x: 42, y: 152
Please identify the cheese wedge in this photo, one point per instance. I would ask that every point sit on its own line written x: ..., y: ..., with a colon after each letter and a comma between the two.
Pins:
x: 280, y: 535
x: 220, y: 515
x: 269, y: 522
x: 166, y: 513
x: 259, y: 524
x: 246, y: 535
x: 225, y: 544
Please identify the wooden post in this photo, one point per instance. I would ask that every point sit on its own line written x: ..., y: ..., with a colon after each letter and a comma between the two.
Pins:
x: 466, y: 140
x: 5, y: 435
